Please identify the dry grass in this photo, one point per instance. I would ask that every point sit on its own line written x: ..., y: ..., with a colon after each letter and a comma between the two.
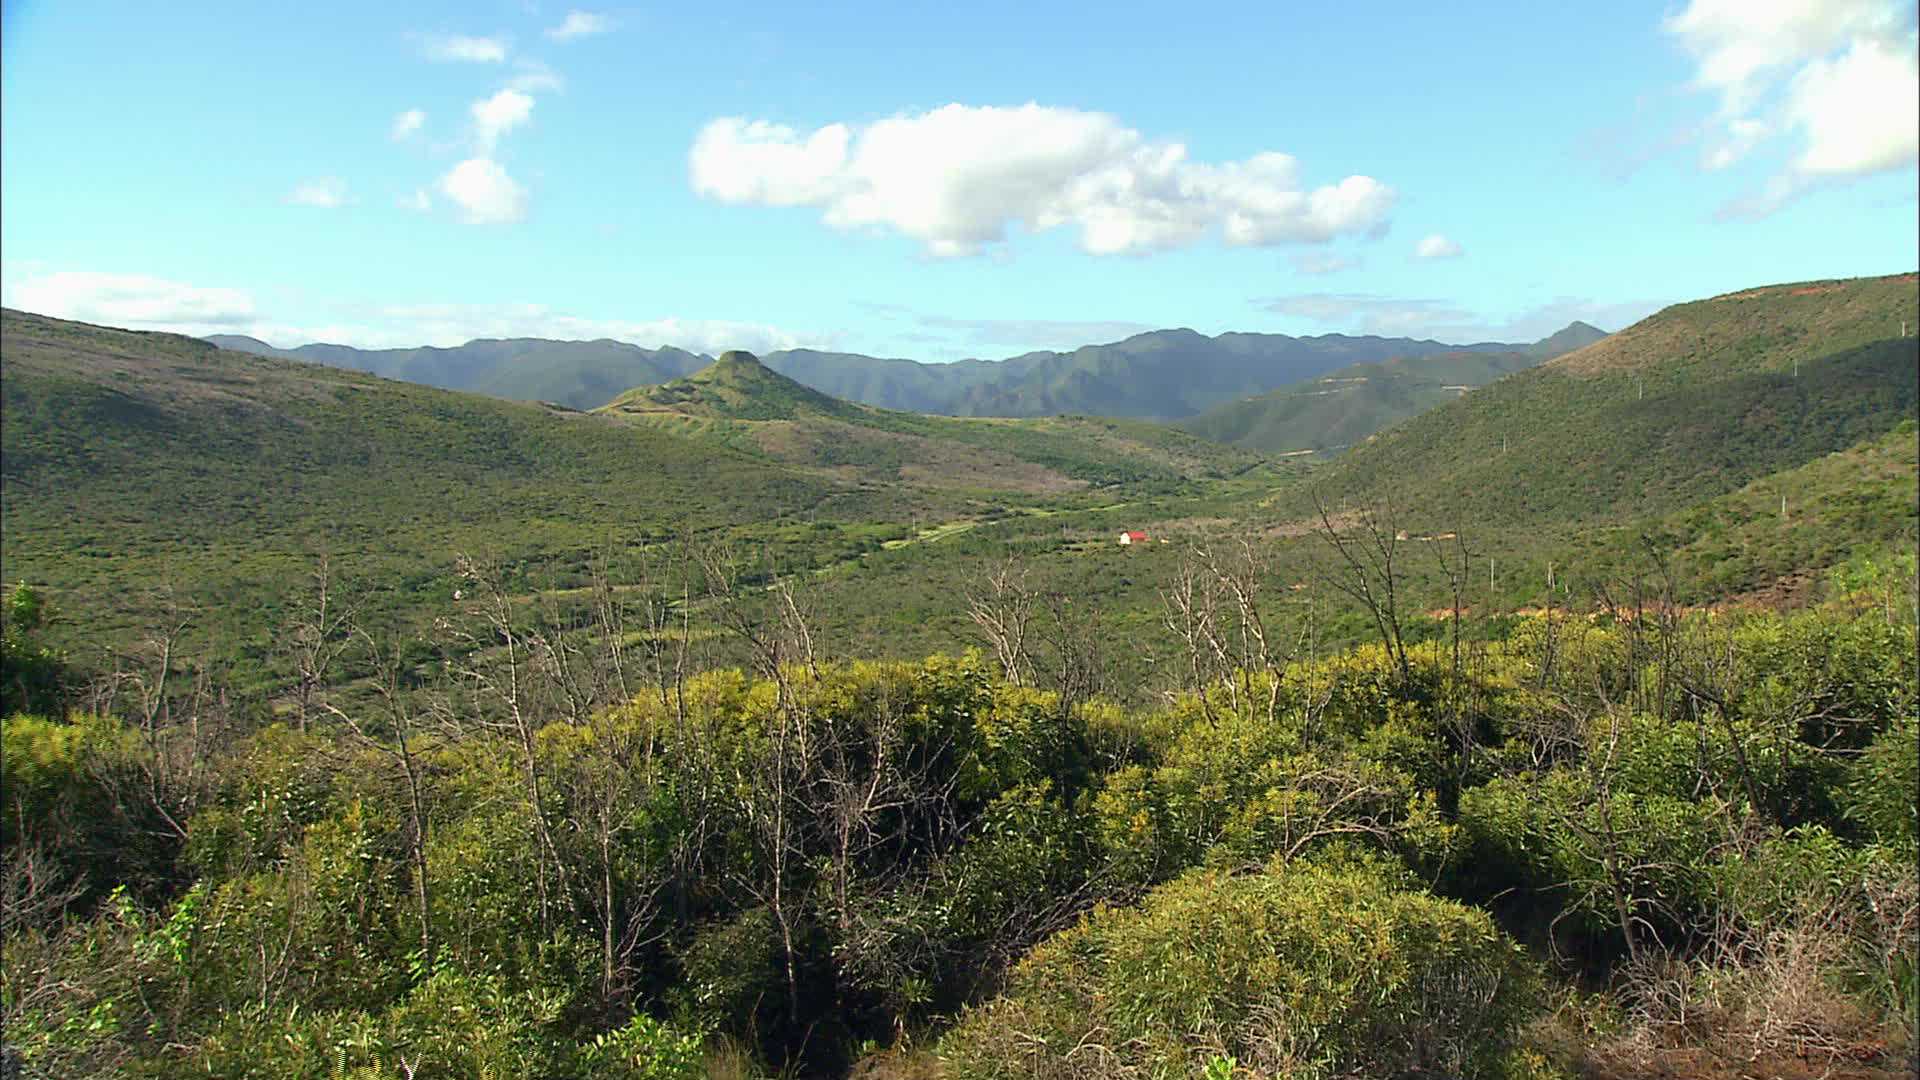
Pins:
x: 1770, y: 1003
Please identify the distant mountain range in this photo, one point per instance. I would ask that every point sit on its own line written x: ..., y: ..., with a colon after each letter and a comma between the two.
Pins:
x: 1159, y: 375
x: 1340, y: 408
x: 744, y: 404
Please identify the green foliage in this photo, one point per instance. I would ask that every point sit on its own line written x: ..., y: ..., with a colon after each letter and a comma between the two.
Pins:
x: 1298, y: 971
x: 74, y: 797
x: 644, y: 1049
x: 32, y: 673
x: 1881, y: 794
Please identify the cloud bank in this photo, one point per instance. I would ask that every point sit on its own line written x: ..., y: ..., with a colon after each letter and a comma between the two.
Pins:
x: 135, y: 301
x: 1442, y: 320
x: 143, y: 302
x: 959, y: 178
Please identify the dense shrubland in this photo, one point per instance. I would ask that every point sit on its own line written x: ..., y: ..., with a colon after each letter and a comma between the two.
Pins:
x: 528, y: 848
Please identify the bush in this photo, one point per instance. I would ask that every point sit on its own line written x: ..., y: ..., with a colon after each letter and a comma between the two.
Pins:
x: 1313, y: 970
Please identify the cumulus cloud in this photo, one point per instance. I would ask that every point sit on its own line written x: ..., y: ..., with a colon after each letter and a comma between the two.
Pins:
x: 484, y: 192
x: 1442, y: 320
x: 407, y: 124
x: 499, y: 114
x: 326, y: 193
x: 959, y: 177
x: 579, y: 24
x: 1839, y: 80
x: 133, y: 300
x: 471, y: 50
x: 1437, y: 246
x: 1321, y: 263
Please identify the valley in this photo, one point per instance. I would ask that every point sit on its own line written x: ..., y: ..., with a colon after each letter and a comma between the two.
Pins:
x: 378, y: 610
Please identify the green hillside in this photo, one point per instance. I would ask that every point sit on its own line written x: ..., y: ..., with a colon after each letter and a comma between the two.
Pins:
x: 1693, y: 402
x: 139, y: 461
x: 1775, y: 534
x: 1337, y: 410
x: 741, y: 402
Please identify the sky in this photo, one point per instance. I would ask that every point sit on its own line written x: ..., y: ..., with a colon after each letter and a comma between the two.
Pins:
x: 938, y: 182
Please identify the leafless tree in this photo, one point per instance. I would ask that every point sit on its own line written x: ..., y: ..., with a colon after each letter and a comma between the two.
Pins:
x: 1003, y: 611
x: 1216, y: 607
x: 316, y: 634
x: 1368, y: 571
x: 497, y: 664
x: 400, y: 741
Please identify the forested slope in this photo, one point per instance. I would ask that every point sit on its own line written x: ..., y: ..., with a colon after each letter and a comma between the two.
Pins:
x: 1693, y: 402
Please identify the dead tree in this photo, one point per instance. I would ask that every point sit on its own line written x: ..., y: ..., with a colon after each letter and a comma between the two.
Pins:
x: 400, y: 744
x: 498, y: 666
x: 317, y: 633
x: 1004, y: 611
x: 1215, y: 607
x: 1368, y: 572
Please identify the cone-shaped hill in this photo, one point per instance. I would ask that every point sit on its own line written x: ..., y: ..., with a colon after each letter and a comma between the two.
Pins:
x: 735, y: 387
x: 743, y: 403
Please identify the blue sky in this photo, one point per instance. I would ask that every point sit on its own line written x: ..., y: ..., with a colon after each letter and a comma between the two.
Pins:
x: 979, y: 181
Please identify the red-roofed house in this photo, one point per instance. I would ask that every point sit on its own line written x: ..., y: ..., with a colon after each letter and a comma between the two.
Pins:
x: 1127, y: 538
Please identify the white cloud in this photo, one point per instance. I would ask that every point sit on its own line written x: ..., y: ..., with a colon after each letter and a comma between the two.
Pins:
x: 1441, y: 320
x: 958, y: 177
x: 1840, y: 79
x: 1035, y: 333
x: 456, y: 324
x: 407, y: 124
x: 326, y: 192
x: 1860, y: 111
x: 1437, y: 246
x: 499, y: 114
x: 142, y: 302
x: 419, y: 201
x: 484, y: 192
x: 535, y: 78
x: 472, y: 50
x: 1323, y: 262
x: 579, y: 24
x: 133, y: 300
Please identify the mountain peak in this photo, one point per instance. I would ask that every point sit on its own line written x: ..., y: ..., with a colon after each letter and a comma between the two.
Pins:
x: 736, y: 386
x: 1575, y: 335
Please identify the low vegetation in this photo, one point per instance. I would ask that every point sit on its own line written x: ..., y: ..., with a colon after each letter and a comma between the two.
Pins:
x: 358, y: 729
x: 1361, y: 864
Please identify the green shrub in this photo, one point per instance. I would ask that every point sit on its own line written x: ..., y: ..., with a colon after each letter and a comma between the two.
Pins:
x: 1880, y: 796
x: 1309, y: 971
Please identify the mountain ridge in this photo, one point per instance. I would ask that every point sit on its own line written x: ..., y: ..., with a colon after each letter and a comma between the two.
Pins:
x: 1159, y: 375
